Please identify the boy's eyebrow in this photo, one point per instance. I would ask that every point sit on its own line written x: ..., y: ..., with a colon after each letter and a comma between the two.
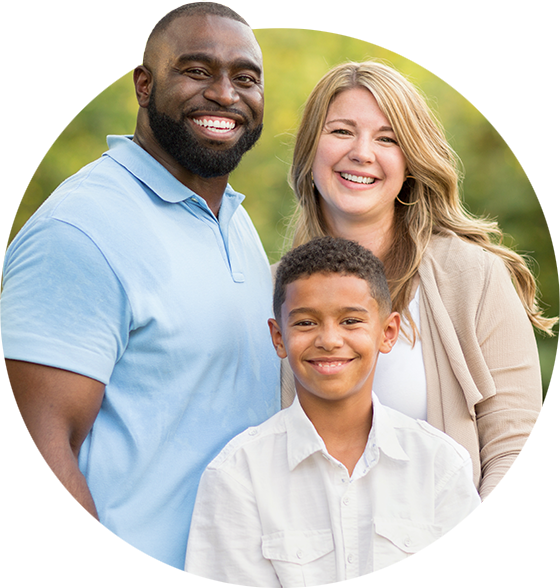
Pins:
x: 308, y: 310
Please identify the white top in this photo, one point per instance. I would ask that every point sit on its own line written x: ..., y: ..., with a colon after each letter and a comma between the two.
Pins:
x: 275, y: 509
x: 400, y: 377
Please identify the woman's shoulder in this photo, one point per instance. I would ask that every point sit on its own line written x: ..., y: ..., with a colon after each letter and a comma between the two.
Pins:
x: 450, y: 253
x: 456, y: 269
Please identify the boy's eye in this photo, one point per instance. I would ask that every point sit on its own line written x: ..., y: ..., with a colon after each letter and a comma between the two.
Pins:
x: 351, y: 321
x: 306, y: 323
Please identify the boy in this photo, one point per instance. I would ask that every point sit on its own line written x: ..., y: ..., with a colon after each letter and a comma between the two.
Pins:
x: 336, y: 485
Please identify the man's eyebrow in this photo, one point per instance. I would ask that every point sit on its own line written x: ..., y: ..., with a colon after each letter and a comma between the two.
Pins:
x: 238, y: 64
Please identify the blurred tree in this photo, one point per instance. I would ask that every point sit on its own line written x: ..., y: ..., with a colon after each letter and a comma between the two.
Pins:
x: 497, y: 92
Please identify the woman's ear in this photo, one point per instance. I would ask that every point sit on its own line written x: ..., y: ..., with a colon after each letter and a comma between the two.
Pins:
x: 277, y: 340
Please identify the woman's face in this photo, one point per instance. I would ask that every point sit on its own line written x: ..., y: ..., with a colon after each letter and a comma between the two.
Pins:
x: 359, y: 167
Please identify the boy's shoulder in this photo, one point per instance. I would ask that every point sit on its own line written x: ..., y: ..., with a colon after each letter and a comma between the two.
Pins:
x: 419, y: 436
x: 252, y: 441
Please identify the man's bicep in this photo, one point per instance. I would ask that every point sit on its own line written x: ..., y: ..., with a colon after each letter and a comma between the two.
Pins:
x: 57, y: 406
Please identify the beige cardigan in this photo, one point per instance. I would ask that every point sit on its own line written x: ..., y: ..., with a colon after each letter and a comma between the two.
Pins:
x: 480, y: 355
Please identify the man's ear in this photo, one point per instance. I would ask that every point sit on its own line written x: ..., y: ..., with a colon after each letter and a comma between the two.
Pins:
x: 143, y: 83
x: 391, y: 330
x: 277, y: 340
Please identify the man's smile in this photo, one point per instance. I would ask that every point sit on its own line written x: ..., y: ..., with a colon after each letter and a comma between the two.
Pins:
x: 215, y: 123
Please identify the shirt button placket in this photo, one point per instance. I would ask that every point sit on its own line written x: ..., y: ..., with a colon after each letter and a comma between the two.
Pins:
x: 349, y: 511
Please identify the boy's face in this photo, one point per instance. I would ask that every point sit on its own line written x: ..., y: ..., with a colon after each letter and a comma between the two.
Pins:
x: 331, y: 332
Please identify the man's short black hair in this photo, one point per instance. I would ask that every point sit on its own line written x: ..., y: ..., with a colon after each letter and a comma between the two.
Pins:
x: 195, y: 9
x: 328, y: 255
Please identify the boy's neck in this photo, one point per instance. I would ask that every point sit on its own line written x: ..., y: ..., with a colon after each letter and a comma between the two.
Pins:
x: 343, y: 426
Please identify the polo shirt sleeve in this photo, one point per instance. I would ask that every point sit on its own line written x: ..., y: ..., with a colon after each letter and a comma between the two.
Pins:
x: 62, y: 305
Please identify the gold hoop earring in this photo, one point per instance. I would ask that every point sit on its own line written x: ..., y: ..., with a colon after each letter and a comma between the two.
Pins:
x: 312, y: 181
x: 407, y: 203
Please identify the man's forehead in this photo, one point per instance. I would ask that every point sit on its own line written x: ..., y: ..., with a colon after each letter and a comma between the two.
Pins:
x: 209, y: 33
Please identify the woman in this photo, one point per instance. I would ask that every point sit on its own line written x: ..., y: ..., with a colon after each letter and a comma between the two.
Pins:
x: 372, y: 164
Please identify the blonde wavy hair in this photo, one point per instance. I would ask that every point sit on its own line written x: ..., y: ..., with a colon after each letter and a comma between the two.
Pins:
x: 433, y: 187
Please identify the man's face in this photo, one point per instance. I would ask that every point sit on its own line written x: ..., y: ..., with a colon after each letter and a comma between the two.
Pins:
x: 207, y: 99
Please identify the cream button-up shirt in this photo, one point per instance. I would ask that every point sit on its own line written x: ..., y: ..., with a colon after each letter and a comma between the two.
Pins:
x: 275, y: 509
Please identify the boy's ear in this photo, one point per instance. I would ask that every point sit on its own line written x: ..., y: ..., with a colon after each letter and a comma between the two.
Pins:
x: 277, y: 340
x: 390, y: 332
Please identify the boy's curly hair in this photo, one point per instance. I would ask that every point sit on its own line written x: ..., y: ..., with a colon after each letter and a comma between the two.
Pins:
x: 328, y: 255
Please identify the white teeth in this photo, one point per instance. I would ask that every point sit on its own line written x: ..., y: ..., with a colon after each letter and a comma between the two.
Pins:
x: 358, y: 179
x: 329, y: 363
x: 221, y: 126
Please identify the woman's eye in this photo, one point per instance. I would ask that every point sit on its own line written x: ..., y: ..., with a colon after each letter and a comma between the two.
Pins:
x: 388, y: 140
x: 340, y: 132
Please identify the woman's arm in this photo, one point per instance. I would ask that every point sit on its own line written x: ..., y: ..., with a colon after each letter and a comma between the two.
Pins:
x: 482, y: 364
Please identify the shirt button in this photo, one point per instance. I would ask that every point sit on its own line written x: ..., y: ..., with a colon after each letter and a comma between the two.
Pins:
x: 253, y: 431
x: 299, y: 553
x: 346, y: 500
x: 407, y: 542
x: 350, y: 558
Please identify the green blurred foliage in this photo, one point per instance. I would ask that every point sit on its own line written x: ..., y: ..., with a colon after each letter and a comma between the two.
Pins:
x: 497, y: 92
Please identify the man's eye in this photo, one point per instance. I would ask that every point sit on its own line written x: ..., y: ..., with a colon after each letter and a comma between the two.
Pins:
x: 195, y: 71
x: 246, y: 80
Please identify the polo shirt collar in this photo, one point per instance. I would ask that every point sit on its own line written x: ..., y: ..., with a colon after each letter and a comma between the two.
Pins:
x: 154, y: 175
x: 303, y: 440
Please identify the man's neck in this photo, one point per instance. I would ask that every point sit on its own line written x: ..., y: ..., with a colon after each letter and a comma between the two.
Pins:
x: 210, y: 189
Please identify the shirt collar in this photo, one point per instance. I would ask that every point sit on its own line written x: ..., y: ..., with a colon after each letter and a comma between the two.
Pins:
x: 303, y: 440
x: 151, y: 173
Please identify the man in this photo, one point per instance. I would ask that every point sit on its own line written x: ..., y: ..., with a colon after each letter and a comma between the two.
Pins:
x: 135, y: 300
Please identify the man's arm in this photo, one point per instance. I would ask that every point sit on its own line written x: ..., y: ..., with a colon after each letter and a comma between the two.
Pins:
x: 46, y: 415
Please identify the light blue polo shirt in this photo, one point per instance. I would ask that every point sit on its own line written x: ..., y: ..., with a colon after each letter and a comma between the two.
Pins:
x: 124, y: 275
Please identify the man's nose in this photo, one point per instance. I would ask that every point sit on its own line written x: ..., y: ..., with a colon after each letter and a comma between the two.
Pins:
x: 222, y: 91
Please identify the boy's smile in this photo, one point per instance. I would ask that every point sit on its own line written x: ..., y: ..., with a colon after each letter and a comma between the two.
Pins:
x: 331, y: 333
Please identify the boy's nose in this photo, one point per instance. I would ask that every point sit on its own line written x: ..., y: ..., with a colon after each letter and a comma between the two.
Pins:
x: 328, y: 338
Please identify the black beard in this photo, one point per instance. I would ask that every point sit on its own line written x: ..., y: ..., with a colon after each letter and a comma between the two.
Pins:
x: 180, y: 143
